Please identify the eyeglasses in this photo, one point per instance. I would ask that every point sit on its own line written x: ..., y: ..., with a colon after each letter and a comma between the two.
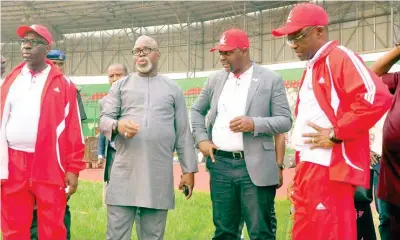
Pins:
x: 299, y: 38
x: 32, y: 42
x: 145, y: 51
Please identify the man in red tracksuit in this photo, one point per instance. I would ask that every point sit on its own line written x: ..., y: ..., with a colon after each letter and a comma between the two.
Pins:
x: 339, y: 100
x: 41, y: 142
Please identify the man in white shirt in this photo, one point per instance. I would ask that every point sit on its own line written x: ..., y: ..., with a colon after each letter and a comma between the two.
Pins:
x: 248, y: 107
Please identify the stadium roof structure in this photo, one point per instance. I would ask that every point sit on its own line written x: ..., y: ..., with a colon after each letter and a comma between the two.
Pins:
x: 95, y: 34
x: 64, y: 17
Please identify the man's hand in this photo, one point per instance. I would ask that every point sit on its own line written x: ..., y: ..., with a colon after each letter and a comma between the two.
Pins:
x: 207, y: 147
x: 319, y: 139
x: 188, y: 180
x: 242, y: 124
x: 127, y: 128
x: 280, y: 175
x: 71, y: 181
x: 100, y: 162
x: 373, y: 158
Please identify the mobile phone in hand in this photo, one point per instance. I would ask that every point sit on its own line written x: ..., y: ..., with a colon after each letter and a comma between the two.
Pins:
x: 186, y: 190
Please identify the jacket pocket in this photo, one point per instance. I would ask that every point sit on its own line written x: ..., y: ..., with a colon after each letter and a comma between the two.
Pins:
x: 269, y: 146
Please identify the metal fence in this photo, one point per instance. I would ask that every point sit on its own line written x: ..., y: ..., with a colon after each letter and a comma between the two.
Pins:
x: 92, y: 109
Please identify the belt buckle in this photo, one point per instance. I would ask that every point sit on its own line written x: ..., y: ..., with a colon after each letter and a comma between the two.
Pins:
x: 234, y: 155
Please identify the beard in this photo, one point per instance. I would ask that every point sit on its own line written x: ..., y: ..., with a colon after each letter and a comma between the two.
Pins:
x: 144, y: 68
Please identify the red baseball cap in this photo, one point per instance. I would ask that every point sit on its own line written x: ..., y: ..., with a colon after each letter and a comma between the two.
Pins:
x: 232, y: 39
x: 302, y: 15
x: 39, y: 29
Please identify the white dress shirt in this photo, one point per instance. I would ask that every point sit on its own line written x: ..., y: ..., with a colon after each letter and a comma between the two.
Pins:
x: 231, y: 104
x: 310, y: 111
x: 25, y: 98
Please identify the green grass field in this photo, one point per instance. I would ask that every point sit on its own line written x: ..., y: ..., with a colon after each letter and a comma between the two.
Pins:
x: 191, y: 220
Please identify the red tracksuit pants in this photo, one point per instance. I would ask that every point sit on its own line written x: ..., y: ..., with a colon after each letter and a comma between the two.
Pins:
x: 323, y: 209
x: 18, y: 197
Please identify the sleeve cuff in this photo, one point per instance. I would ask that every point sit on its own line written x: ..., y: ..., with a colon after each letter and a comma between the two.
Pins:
x: 257, y: 124
x: 74, y: 171
x: 201, y: 138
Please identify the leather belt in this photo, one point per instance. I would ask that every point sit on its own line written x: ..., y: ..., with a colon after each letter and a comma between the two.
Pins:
x: 233, y: 155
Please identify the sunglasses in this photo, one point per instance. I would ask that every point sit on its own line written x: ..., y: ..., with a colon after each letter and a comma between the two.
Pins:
x: 299, y: 38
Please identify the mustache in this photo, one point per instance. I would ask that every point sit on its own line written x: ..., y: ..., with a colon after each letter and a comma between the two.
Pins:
x: 143, y: 58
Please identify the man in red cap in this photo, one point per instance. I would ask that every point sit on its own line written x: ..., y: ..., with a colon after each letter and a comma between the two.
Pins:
x: 247, y: 107
x: 41, y: 142
x: 339, y: 100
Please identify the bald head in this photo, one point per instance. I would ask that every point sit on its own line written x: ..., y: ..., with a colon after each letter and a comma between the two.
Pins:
x: 116, y: 71
x: 119, y: 66
x: 146, y: 41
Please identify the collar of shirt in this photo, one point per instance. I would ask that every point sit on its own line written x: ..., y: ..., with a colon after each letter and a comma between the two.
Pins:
x: 248, y: 72
x: 25, y: 71
x: 318, y: 53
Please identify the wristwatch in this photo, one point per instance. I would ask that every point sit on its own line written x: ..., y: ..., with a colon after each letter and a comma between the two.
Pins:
x: 333, y: 138
x: 281, y: 166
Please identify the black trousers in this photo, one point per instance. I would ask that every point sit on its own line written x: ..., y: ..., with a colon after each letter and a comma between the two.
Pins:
x: 365, y: 222
x: 234, y: 196
x: 273, y: 219
x: 109, y: 161
x: 67, y: 222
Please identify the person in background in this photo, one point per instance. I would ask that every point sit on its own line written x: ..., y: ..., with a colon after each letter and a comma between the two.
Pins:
x: 58, y: 57
x: 106, y: 150
x: 389, y: 175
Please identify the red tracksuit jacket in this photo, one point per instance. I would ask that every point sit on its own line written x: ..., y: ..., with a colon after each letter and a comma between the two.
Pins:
x: 363, y: 100
x: 60, y: 144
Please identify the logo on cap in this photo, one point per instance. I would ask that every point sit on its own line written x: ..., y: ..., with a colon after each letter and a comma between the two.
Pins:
x: 60, y: 57
x: 289, y: 17
x: 222, y: 41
